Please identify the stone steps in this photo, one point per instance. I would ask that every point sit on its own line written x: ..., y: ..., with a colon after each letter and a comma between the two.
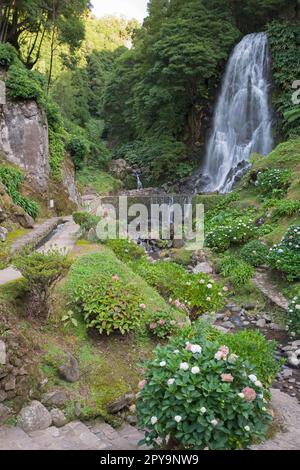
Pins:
x: 73, y: 436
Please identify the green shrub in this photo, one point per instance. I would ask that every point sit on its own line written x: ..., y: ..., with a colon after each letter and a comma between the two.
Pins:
x: 126, y: 250
x: 285, y: 256
x: 12, y: 179
x: 201, y: 397
x: 274, y: 182
x: 109, y: 304
x: 285, y: 208
x: 255, y: 253
x: 294, y: 315
x: 41, y: 270
x: 4, y: 255
x: 237, y: 271
x: 21, y: 84
x: 193, y: 293
x: 57, y: 153
x: 164, y: 324
x: 8, y: 55
x: 86, y: 221
x: 231, y: 232
x: 79, y: 149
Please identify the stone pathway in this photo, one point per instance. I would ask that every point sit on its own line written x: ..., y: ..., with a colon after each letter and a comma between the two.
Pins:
x: 270, y: 291
x: 73, y: 436
x: 288, y: 410
x: 64, y: 239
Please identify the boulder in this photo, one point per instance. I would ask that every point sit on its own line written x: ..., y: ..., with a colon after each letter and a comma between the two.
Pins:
x: 69, y: 371
x: 120, y: 403
x: 58, y: 418
x: 55, y: 398
x: 120, y: 169
x: 203, y: 267
x: 34, y: 417
x: 261, y: 323
x: 22, y: 218
x: 2, y: 353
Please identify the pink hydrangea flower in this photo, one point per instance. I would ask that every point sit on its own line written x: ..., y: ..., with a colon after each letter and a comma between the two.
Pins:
x: 143, y: 306
x: 177, y: 303
x: 162, y: 322
x: 227, y: 378
x: 153, y: 326
x: 249, y: 394
x: 115, y: 277
x: 222, y: 353
x: 188, y: 347
x: 142, y: 384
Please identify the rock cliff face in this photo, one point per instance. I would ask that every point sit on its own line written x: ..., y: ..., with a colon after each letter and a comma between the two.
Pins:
x: 24, y: 140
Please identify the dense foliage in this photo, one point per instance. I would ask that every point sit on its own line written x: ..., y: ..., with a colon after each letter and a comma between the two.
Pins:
x: 255, y: 253
x: 12, y: 179
x: 294, y: 315
x: 285, y: 256
x: 41, y: 270
x: 201, y: 396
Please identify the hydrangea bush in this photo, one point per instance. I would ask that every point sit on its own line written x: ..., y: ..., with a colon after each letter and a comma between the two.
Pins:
x: 108, y: 304
x: 164, y: 324
x: 294, y: 315
x: 285, y: 257
x: 274, y: 182
x: 194, y: 293
x: 235, y: 232
x: 255, y: 253
x: 201, y: 397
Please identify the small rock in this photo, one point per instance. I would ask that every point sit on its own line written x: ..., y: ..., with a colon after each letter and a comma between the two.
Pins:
x: 296, y: 344
x: 34, y: 417
x: 55, y: 398
x: 70, y: 370
x: 2, y: 353
x: 3, y: 396
x: 246, y: 323
x: 293, y: 360
x: 123, y: 402
x: 132, y: 419
x: 204, y: 268
x: 228, y: 324
x: 3, y: 234
x: 58, y: 418
x: 10, y: 384
x: 249, y: 306
x: 292, y: 381
x: 221, y: 329
x: 261, y: 323
x: 276, y: 327
x: 5, y: 413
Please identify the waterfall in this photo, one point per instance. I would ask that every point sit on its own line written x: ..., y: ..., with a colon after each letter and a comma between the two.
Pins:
x: 243, y: 117
x: 139, y: 184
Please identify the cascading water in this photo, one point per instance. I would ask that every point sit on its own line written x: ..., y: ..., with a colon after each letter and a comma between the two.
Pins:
x: 243, y: 116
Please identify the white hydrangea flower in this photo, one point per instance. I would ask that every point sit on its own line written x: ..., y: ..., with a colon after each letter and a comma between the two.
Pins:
x: 203, y: 410
x: 209, y: 286
x: 171, y: 381
x: 241, y: 395
x: 253, y: 378
x: 214, y: 422
x: 258, y: 383
x: 184, y: 366
x: 162, y: 363
x: 195, y: 370
x: 196, y: 349
x: 154, y: 420
x: 247, y: 428
x: 178, y: 418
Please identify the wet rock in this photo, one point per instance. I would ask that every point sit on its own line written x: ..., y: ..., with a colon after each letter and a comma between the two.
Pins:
x: 55, y: 398
x: 293, y: 360
x: 228, y: 324
x: 123, y: 402
x: 58, y: 418
x: 34, y: 417
x: 70, y: 370
x: 249, y: 306
x: 2, y: 353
